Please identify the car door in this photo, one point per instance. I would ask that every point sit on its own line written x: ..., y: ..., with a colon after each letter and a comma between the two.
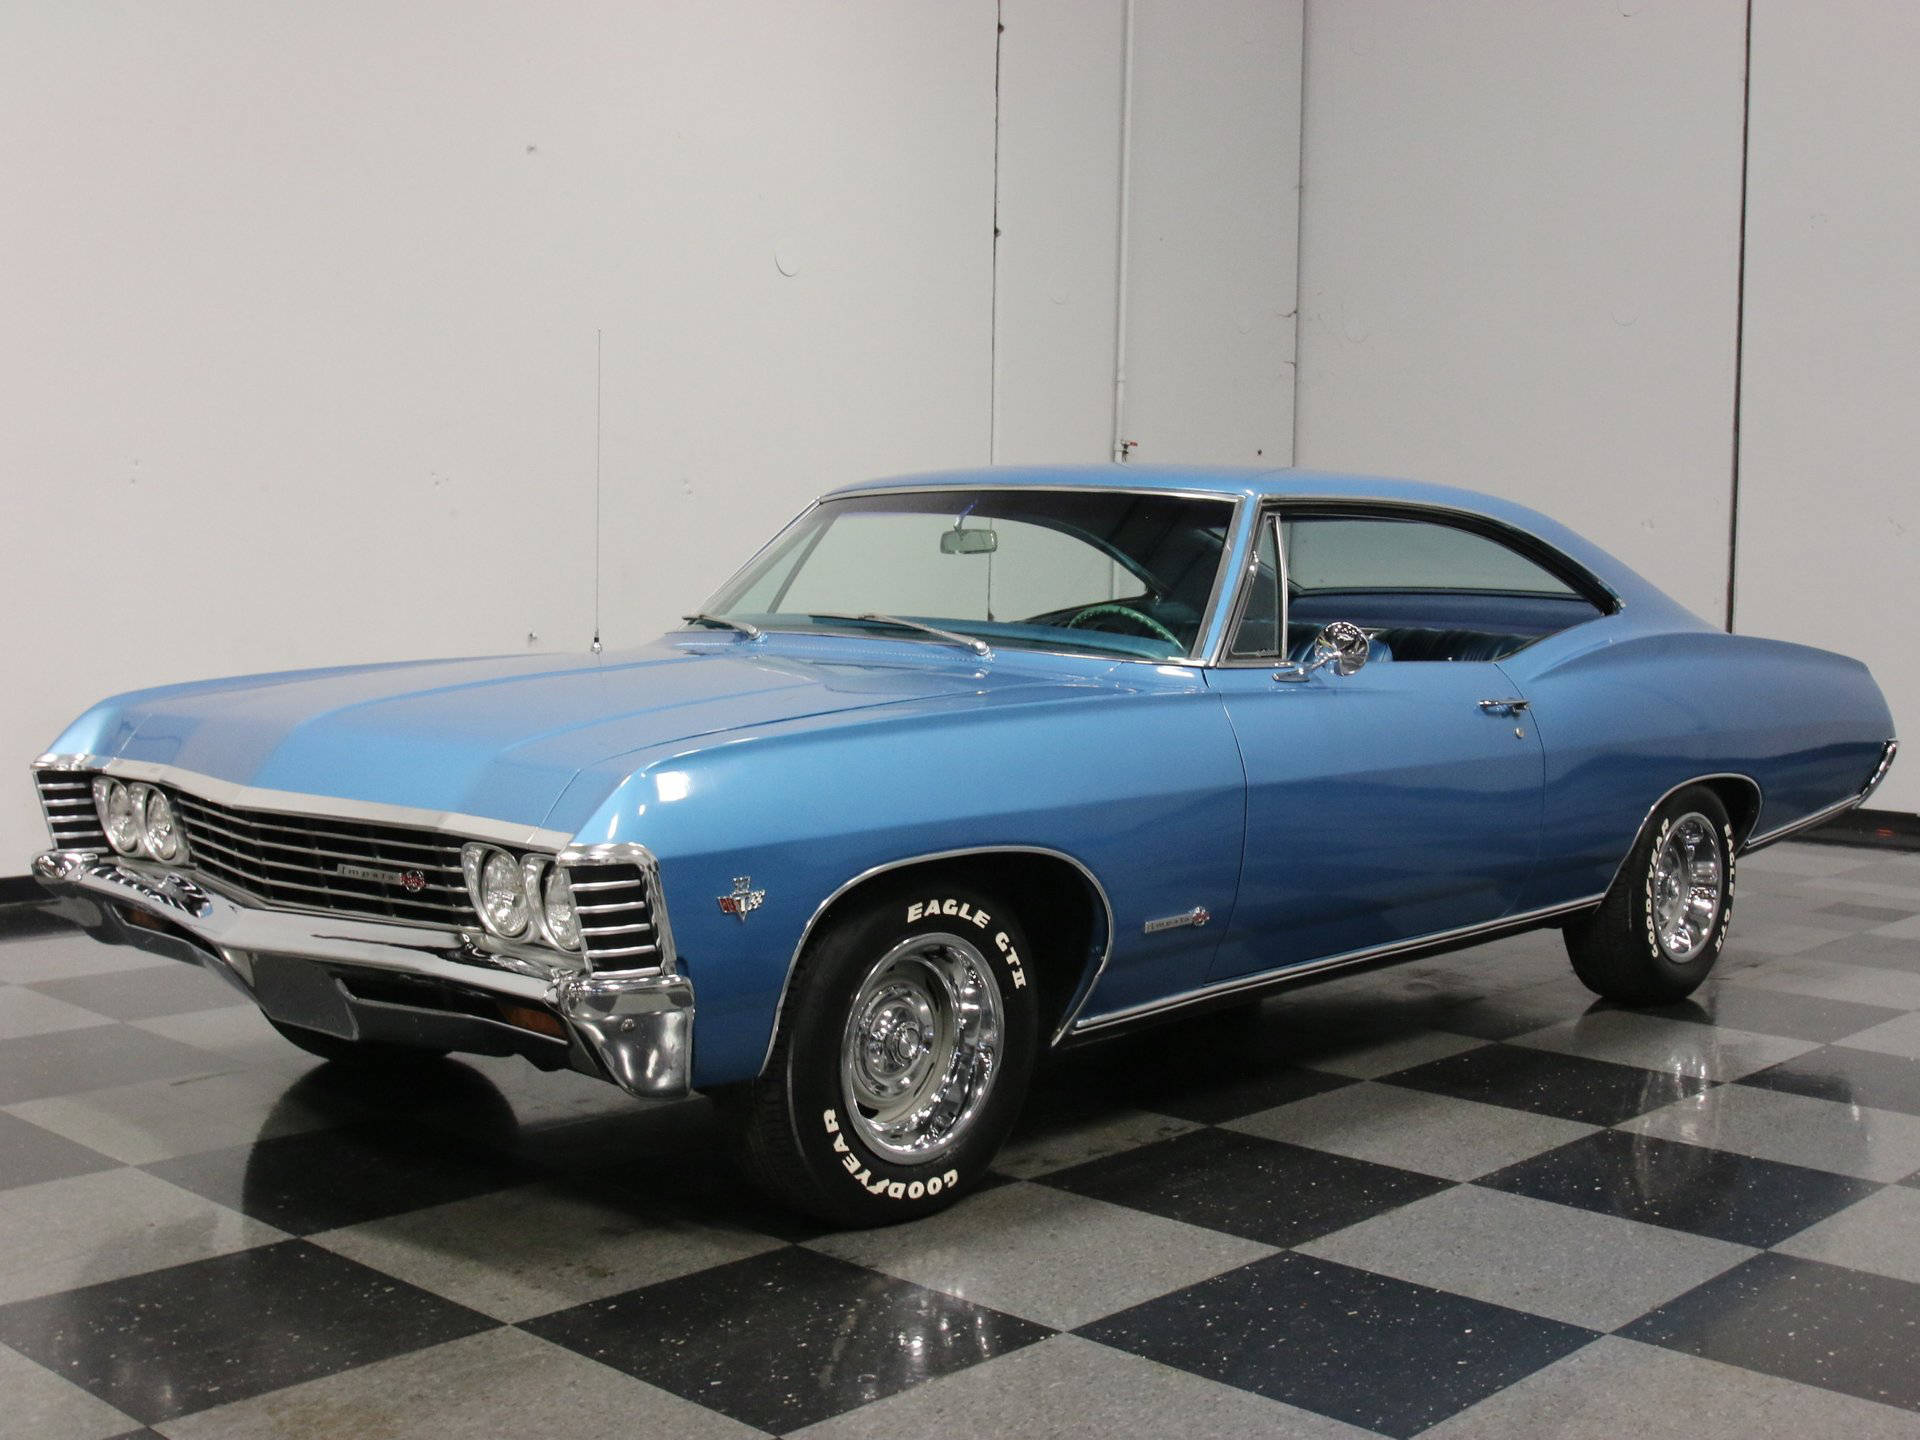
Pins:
x: 1400, y: 801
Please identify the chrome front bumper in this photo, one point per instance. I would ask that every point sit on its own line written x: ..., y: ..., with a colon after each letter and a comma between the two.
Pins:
x: 387, y: 981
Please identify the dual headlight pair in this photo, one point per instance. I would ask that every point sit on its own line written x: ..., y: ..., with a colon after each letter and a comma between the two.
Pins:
x: 139, y: 820
x: 525, y: 899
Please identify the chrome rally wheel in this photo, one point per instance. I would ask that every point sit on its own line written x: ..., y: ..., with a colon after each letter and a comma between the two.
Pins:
x: 1685, y: 888
x: 904, y: 1046
x: 922, y: 1047
x: 1662, y: 924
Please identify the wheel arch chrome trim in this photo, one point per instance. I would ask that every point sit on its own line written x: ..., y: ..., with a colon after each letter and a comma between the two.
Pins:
x: 317, y: 807
x: 1075, y: 1000
x: 1746, y: 841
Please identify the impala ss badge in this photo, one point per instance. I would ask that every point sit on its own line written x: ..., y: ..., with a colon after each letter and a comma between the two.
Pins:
x: 411, y: 881
x: 743, y: 898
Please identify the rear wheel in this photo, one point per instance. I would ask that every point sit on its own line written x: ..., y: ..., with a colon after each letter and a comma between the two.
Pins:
x: 901, y: 1062
x: 369, y: 1054
x: 1662, y: 925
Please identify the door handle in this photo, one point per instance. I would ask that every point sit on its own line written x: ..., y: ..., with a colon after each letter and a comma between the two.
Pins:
x: 1504, y: 707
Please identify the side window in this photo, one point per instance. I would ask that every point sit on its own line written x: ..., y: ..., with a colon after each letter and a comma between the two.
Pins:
x: 1259, y: 630
x: 1424, y: 589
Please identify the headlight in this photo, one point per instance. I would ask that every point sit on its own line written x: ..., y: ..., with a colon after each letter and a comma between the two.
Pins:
x: 503, y: 896
x: 563, y: 921
x: 118, y: 815
x: 497, y: 890
x: 160, y: 833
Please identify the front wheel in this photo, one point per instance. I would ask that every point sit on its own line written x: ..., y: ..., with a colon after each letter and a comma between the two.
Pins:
x: 1663, y: 923
x: 902, y: 1059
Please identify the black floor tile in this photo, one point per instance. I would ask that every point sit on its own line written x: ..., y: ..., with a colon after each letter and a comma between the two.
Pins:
x: 1819, y: 1324
x: 316, y: 1181
x: 786, y: 1339
x: 1214, y: 1068
x: 36, y: 1067
x: 169, y: 1342
x: 1876, y: 952
x: 1265, y: 1190
x: 1683, y: 1187
x: 29, y: 1155
x: 1853, y: 1077
x: 1878, y: 914
x: 1572, y: 1087
x: 143, y: 994
x: 1362, y: 1348
x: 25, y: 920
x: 1772, y: 1012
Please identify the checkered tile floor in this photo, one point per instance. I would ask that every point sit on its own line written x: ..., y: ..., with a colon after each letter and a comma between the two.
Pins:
x: 1456, y: 1199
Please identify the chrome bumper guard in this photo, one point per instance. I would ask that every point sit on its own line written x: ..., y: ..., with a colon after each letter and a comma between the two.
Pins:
x: 351, y: 977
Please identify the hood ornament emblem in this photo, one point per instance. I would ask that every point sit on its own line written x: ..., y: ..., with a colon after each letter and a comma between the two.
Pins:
x: 743, y: 899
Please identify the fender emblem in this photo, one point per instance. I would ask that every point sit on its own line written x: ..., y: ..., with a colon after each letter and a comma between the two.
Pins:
x: 743, y: 899
x: 1195, y: 917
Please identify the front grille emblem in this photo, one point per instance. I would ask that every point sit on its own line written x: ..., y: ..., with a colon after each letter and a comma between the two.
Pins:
x: 411, y: 881
x: 743, y: 899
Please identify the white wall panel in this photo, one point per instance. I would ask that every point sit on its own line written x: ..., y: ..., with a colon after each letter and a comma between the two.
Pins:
x: 299, y: 308
x: 1059, y: 187
x: 1214, y: 222
x: 1519, y: 258
x: 1829, y: 538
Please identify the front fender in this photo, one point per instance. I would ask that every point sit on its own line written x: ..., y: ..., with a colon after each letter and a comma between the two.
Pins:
x: 1143, y: 789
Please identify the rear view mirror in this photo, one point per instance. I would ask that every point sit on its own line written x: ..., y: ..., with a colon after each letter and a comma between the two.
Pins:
x: 968, y: 542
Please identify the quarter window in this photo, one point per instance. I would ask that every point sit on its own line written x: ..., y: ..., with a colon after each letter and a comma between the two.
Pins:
x: 1424, y: 589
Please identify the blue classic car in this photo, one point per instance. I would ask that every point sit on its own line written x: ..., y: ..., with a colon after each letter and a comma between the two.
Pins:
x: 958, y: 768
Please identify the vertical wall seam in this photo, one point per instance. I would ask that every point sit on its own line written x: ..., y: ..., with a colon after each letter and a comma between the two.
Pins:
x: 1123, y: 236
x: 598, y: 390
x: 1299, y: 243
x: 993, y: 275
x: 1739, y: 322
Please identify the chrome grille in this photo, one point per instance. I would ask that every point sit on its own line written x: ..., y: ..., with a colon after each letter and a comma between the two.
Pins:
x: 616, y: 916
x: 66, y: 798
x: 307, y: 862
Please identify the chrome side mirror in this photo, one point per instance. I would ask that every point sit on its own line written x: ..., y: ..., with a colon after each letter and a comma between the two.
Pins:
x: 1341, y: 646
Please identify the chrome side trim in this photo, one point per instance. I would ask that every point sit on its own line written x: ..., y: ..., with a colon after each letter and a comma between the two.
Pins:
x: 1759, y: 799
x: 1286, y: 973
x: 318, y: 807
x: 1075, y: 1002
x: 1891, y: 749
x: 1839, y: 807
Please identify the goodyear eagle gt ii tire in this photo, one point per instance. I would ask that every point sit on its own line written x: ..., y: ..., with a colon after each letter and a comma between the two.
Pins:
x: 1663, y: 923
x: 902, y: 1059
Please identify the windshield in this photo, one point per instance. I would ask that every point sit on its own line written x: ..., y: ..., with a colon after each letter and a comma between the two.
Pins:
x: 1081, y: 570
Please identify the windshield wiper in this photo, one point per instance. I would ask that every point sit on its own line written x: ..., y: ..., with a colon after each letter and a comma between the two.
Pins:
x: 970, y: 642
x: 752, y: 632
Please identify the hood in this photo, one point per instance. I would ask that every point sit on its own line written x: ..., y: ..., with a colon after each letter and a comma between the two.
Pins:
x: 501, y: 737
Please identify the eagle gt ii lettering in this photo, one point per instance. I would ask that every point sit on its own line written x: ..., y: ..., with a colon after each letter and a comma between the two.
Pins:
x: 1224, y: 733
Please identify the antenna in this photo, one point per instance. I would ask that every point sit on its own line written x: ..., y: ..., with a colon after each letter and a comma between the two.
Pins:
x: 596, y: 489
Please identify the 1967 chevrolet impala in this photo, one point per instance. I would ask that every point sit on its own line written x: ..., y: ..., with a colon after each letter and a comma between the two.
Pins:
x: 958, y: 768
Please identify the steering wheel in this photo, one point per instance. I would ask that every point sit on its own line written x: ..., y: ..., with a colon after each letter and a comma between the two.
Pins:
x: 1127, y: 612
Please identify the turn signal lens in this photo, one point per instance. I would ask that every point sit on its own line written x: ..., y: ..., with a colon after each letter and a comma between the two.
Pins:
x: 118, y: 815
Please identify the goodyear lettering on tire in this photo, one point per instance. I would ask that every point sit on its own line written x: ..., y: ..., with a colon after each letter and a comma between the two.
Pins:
x: 883, y: 1187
